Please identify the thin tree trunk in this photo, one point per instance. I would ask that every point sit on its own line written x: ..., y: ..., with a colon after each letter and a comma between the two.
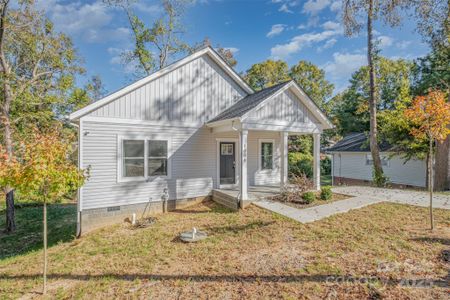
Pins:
x: 10, y: 220
x: 45, y: 248
x: 378, y: 169
x: 430, y: 182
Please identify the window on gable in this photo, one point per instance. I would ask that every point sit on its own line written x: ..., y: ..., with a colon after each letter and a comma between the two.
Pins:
x: 133, y: 158
x: 266, y: 155
x: 157, y: 158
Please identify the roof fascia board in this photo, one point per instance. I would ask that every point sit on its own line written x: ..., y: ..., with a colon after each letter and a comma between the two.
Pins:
x: 208, y: 50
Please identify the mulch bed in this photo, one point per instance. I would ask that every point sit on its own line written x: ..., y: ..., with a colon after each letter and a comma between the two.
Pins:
x: 298, y: 202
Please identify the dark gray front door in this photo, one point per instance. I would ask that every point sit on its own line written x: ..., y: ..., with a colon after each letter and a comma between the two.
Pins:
x: 227, y: 163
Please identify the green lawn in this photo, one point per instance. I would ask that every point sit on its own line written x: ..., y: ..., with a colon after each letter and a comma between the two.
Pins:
x: 248, y: 254
x: 28, y: 236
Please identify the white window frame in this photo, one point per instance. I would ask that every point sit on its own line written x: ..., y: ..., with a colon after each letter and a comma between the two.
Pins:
x: 121, y: 138
x: 260, y: 142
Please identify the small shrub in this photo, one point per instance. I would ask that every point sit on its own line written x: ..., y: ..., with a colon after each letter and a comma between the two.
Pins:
x: 326, y: 193
x: 309, y: 197
x: 379, y: 179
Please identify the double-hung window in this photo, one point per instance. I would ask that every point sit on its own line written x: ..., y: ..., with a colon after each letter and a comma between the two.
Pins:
x: 143, y: 158
x: 133, y: 158
x: 157, y: 158
x: 266, y: 154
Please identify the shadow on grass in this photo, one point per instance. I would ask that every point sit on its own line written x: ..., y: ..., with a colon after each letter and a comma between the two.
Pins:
x: 209, y: 207
x: 28, y: 235
x: 238, y: 228
x: 443, y: 241
x: 288, y: 278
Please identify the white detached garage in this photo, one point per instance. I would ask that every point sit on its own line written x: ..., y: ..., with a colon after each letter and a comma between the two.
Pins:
x: 183, y: 132
x: 352, y: 163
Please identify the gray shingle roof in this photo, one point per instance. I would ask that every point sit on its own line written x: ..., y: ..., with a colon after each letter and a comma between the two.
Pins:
x: 356, y: 142
x: 247, y: 103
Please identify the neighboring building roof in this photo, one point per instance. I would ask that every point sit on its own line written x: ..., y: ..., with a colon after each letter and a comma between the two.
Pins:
x: 248, y: 103
x: 356, y: 142
x: 206, y: 50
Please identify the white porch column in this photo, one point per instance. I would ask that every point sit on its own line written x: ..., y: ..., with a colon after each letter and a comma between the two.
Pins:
x: 284, y: 158
x: 316, y: 163
x: 243, y: 137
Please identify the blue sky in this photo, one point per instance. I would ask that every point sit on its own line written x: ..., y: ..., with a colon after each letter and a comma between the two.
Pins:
x: 255, y: 30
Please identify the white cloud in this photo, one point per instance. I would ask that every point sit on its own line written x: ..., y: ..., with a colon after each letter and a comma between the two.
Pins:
x: 313, y: 7
x: 336, y: 6
x: 298, y: 42
x: 385, y: 41
x: 301, y: 26
x: 276, y: 30
x: 277, y: 1
x: 148, y: 8
x: 330, y: 25
x: 285, y: 8
x: 403, y: 44
x: 344, y: 64
x: 93, y: 22
x: 233, y: 50
x: 328, y: 44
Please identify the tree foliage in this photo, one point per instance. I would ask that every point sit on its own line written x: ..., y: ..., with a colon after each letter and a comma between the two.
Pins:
x: 430, y: 117
x: 307, y: 75
x: 312, y: 80
x: 37, y: 70
x: 267, y: 73
x: 156, y: 45
x: 350, y: 109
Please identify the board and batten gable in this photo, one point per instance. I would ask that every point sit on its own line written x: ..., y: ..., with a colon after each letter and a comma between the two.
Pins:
x: 283, y: 109
x: 192, y: 93
x: 353, y: 165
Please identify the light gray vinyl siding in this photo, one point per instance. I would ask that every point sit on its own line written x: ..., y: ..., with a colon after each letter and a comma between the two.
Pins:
x: 194, y: 92
x: 285, y: 107
x: 193, y: 163
x: 353, y: 165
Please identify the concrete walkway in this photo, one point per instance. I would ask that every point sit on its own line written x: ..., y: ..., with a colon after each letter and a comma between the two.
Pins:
x: 363, y: 196
x: 410, y: 197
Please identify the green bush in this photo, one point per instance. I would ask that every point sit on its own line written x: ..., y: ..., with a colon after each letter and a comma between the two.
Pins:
x: 325, y: 166
x: 326, y: 193
x: 309, y: 197
x: 301, y: 163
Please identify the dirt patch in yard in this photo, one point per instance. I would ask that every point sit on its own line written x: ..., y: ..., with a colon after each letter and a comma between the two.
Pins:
x: 380, y: 251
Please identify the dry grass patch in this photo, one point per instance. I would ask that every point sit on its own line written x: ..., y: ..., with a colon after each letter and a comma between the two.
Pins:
x: 250, y: 254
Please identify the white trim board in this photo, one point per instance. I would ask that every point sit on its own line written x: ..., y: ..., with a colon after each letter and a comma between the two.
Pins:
x: 208, y: 50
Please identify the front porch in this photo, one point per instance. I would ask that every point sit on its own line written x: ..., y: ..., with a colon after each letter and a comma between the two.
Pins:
x: 229, y: 197
x: 253, y: 154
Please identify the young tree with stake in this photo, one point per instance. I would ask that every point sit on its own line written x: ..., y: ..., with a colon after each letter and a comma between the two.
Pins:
x: 431, y: 116
x: 44, y: 173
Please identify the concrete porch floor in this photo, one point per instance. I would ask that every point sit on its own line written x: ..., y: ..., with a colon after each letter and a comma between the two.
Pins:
x: 255, y: 192
x: 229, y: 197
